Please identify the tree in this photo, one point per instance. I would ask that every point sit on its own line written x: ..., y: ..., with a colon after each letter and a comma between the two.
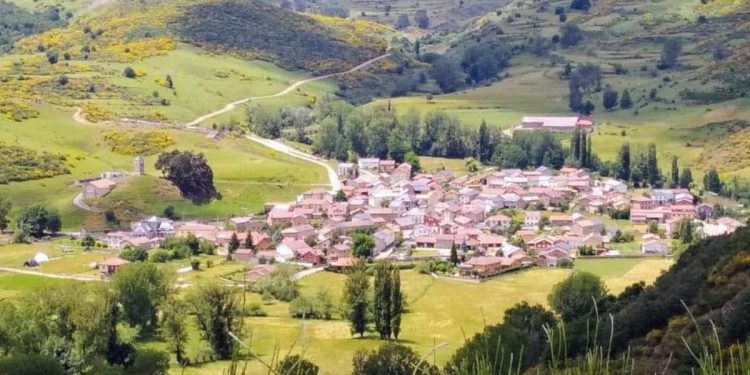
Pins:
x: 218, y: 317
x: 398, y: 145
x: 129, y: 72
x: 232, y: 245
x: 190, y: 172
x: 583, y: 5
x: 248, y: 242
x: 5, y: 206
x: 141, y: 288
x: 412, y: 158
x: 622, y: 165
x: 36, y: 219
x: 169, y: 213
x: 670, y: 53
x: 340, y: 196
x: 454, y: 254
x: 363, y: 245
x: 402, y: 21
x: 574, y: 297
x: 510, y: 156
x: 421, y: 19
x: 675, y: 175
x: 356, y: 288
x: 296, y: 365
x: 609, y: 98
x: 625, y: 101
x: 173, y: 327
x: 575, y: 95
x: 133, y: 254
x: 391, y: 359
x: 381, y: 309
x: 544, y: 222
x: 448, y: 74
x: 397, y: 302
x: 653, y: 173
x: 498, y: 349
x: 30, y: 364
x: 686, y: 178
x: 685, y: 231
x: 712, y: 181
x: 54, y: 222
x: 484, y: 146
x: 52, y: 57
x: 570, y: 35
x: 110, y: 217
x: 170, y: 83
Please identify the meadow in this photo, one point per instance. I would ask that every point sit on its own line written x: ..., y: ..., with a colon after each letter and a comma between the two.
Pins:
x: 439, y: 311
x: 247, y: 174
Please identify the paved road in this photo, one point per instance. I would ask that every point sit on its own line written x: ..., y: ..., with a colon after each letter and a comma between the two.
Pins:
x: 78, y: 202
x: 289, y: 89
x: 49, y: 275
x: 333, y: 178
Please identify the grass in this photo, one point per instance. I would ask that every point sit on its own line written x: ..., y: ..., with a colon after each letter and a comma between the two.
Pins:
x: 11, y: 285
x: 246, y: 173
x: 439, y: 311
x: 205, y: 83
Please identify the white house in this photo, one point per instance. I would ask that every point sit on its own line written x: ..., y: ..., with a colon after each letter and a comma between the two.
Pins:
x: 654, y: 247
x: 369, y: 163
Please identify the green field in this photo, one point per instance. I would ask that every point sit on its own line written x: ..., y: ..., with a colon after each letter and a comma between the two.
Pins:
x: 439, y: 311
x: 204, y: 83
x: 246, y: 174
x: 12, y: 285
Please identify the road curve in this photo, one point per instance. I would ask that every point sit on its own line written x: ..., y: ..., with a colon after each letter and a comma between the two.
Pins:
x: 333, y: 178
x: 79, y: 202
x: 287, y: 90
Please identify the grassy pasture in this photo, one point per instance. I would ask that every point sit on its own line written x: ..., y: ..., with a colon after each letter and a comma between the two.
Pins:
x: 439, y: 311
x: 245, y: 173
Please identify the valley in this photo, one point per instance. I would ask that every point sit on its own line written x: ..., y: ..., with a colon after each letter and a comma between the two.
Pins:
x: 324, y: 187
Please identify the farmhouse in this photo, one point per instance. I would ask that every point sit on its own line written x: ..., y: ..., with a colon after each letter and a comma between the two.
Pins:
x: 98, y: 188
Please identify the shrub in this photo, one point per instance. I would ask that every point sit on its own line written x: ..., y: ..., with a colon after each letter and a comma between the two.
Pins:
x: 161, y: 256
x: 129, y: 72
x: 134, y: 254
x: 195, y: 264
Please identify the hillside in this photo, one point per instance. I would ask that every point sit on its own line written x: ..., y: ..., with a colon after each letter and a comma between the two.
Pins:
x: 712, y: 278
x: 258, y: 30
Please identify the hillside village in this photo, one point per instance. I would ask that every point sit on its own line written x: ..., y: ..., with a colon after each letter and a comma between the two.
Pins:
x: 492, y: 222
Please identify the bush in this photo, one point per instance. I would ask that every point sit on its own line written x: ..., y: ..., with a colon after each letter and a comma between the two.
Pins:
x: 280, y: 284
x: 161, y: 256
x: 129, y: 72
x: 31, y: 364
x: 134, y: 254
x: 435, y: 266
x: 318, y: 307
x: 296, y: 365
x: 195, y: 264
x: 254, y: 309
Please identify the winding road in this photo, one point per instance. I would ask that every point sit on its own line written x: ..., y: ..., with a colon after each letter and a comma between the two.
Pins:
x: 278, y: 146
x: 275, y: 145
x: 287, y: 90
x: 333, y: 178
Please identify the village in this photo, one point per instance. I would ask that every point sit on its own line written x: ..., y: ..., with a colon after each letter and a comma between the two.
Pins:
x: 487, y: 223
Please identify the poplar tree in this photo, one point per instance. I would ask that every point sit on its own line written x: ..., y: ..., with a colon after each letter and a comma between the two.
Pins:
x: 382, y: 299
x: 622, y: 168
x: 397, y: 303
x: 356, y: 288
x: 675, y: 181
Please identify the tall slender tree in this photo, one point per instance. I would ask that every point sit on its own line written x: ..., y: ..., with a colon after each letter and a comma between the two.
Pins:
x: 382, y: 299
x: 675, y: 175
x: 575, y: 144
x: 686, y: 178
x: 625, y: 101
x: 622, y: 167
x: 653, y: 173
x: 397, y: 303
x: 484, y: 148
x: 356, y: 289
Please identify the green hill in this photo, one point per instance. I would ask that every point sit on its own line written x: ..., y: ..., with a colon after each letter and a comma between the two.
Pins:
x: 292, y: 41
